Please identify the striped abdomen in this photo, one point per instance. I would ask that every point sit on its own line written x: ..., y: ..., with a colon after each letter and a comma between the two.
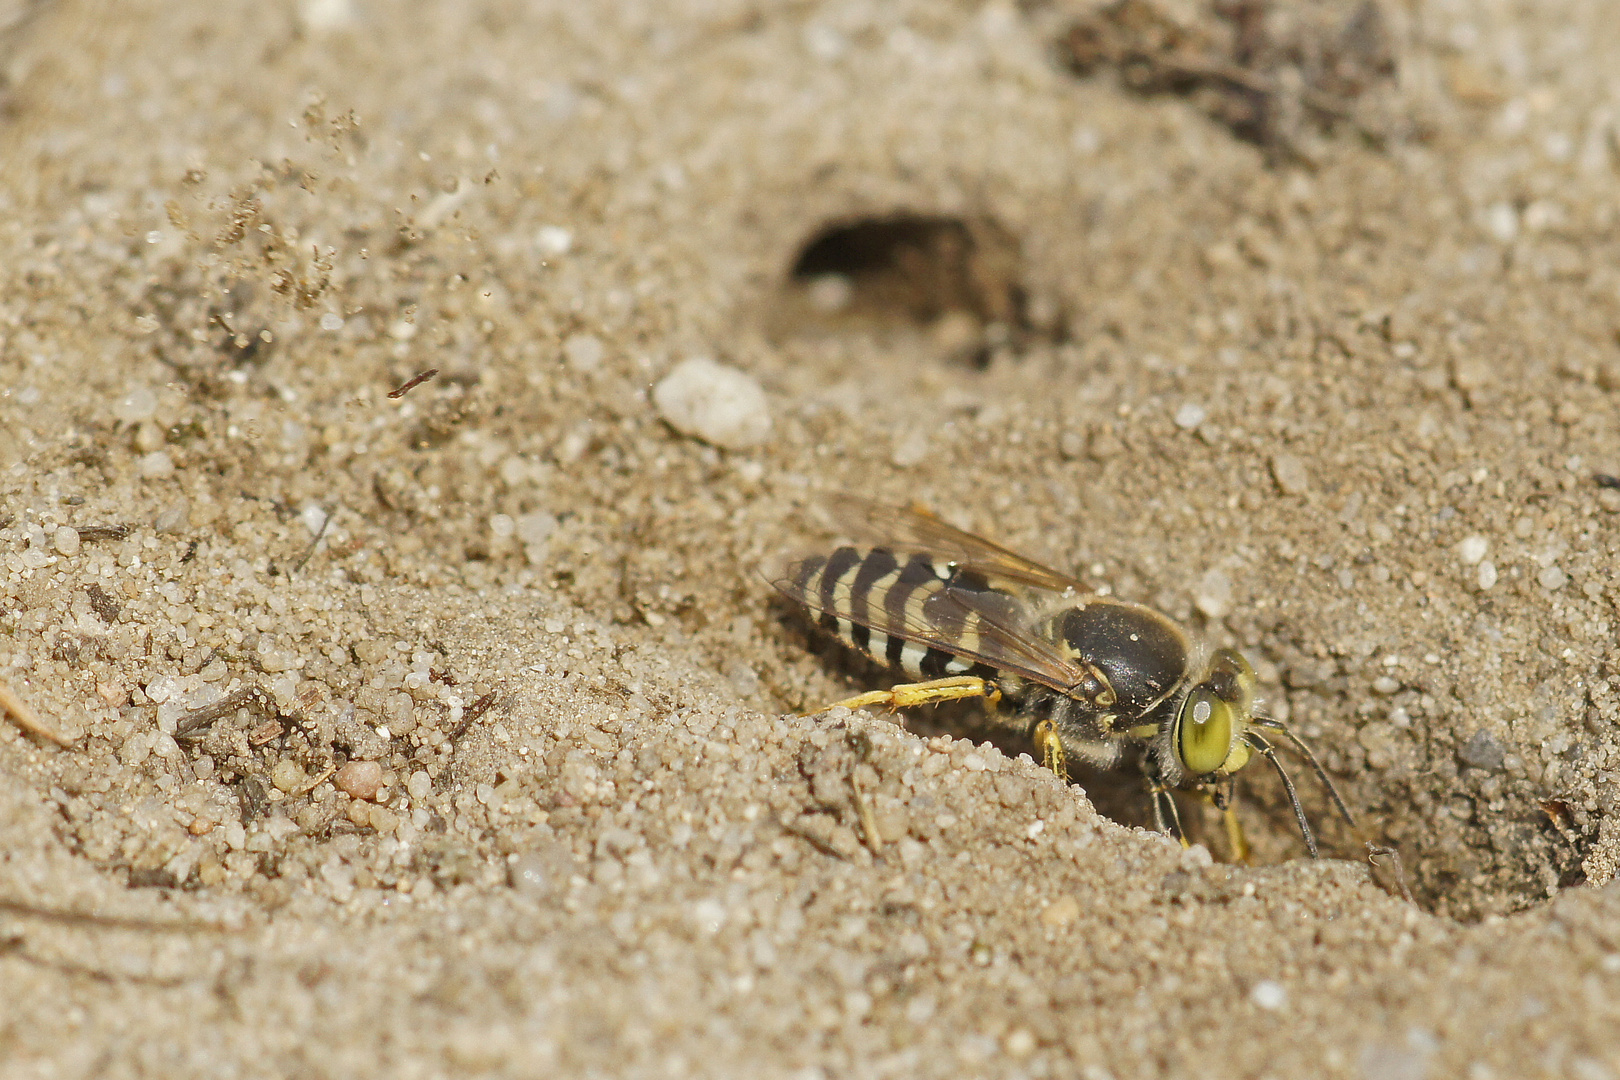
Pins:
x: 903, y: 611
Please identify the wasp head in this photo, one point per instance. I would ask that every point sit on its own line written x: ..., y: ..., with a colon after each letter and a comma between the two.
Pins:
x: 1208, y: 738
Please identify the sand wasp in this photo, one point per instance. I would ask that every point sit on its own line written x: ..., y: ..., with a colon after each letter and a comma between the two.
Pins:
x: 1087, y: 676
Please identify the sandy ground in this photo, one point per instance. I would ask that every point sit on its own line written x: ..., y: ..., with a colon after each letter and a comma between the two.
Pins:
x: 444, y: 735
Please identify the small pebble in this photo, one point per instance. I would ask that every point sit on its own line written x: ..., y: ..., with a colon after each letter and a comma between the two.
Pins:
x: 1190, y: 415
x: 1487, y: 574
x: 910, y: 449
x: 273, y: 660
x: 1020, y: 1043
x: 713, y: 402
x: 709, y: 916
x: 1061, y: 912
x: 420, y: 785
x: 382, y: 819
x: 325, y: 16
x: 359, y: 779
x: 1269, y: 995
x: 553, y: 240
x: 1289, y: 472
x: 584, y: 351
x: 1473, y: 549
x: 149, y: 437
x: 287, y: 776
x: 1214, y: 594
x: 831, y: 293
x: 1502, y: 221
x: 174, y: 517
x: 137, y: 405
x: 535, y: 528
x: 314, y: 518
x: 155, y: 466
x: 531, y: 874
x: 66, y: 540
x: 1552, y: 579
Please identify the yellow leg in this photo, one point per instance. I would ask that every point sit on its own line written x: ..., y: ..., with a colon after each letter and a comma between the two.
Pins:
x: 1238, y: 842
x: 1045, y: 737
x: 908, y: 695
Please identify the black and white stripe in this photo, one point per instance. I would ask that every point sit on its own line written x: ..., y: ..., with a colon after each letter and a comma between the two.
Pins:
x: 856, y: 593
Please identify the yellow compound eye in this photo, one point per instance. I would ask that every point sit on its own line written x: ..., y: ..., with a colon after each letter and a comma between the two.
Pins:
x: 1204, y: 736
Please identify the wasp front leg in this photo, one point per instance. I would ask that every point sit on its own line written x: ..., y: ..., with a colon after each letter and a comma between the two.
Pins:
x: 1046, y: 739
x: 1166, y: 814
x: 1237, y: 841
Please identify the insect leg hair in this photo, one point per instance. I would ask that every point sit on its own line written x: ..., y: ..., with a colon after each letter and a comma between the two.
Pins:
x: 1266, y: 749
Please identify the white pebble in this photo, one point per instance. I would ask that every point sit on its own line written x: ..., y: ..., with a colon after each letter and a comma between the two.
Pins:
x: 287, y: 776
x: 1269, y: 994
x: 1214, y: 594
x: 831, y: 293
x: 67, y: 540
x: 155, y: 465
x: 1020, y: 1043
x: 1503, y: 222
x: 137, y: 405
x: 553, y: 240
x: 1190, y: 416
x: 174, y: 517
x: 709, y: 915
x: 1552, y: 579
x: 535, y: 528
x: 1473, y: 549
x: 420, y: 785
x: 313, y: 517
x: 135, y: 748
x: 272, y: 659
x: 713, y: 402
x: 161, y: 689
x: 910, y: 449
x: 323, y: 16
x: 502, y: 526
x: 331, y: 321
x: 584, y: 351
x: 1487, y: 574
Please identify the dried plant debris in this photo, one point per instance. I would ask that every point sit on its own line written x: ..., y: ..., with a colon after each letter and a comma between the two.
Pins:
x: 14, y: 707
x: 1277, y: 75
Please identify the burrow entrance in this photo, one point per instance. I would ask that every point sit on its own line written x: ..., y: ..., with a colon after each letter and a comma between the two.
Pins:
x: 960, y: 279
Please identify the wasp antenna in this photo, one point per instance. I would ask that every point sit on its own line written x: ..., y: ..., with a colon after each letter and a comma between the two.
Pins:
x: 1316, y: 766
x: 1270, y: 754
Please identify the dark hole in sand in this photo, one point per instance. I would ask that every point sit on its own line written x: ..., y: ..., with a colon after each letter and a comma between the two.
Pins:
x: 957, y: 277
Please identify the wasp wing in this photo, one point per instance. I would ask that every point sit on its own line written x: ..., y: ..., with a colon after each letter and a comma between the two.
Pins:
x: 902, y: 594
x: 919, y: 530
